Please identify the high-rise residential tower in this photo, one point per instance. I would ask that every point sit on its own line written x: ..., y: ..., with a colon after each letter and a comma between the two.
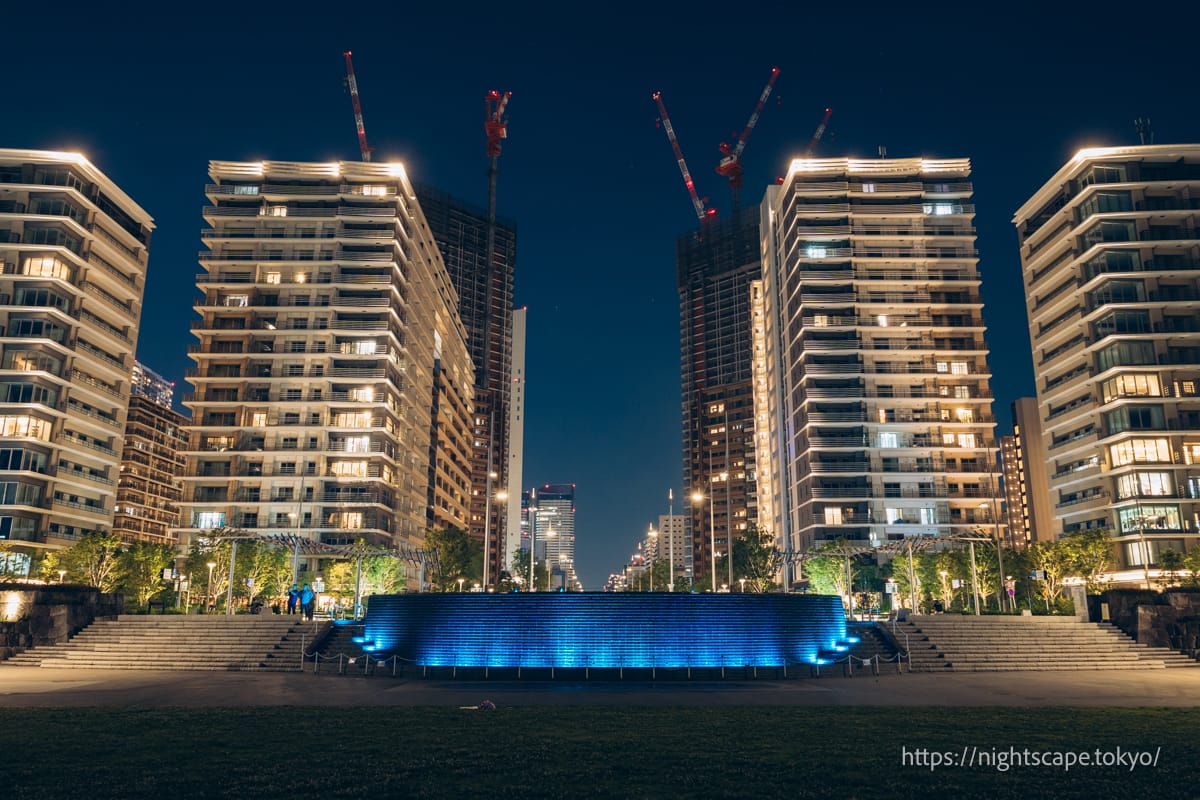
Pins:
x: 148, y: 490
x: 327, y: 319
x: 715, y: 266
x: 552, y: 509
x: 484, y: 283
x: 1110, y: 248
x: 511, y: 502
x: 879, y: 406
x: 74, y: 249
x: 1036, y: 510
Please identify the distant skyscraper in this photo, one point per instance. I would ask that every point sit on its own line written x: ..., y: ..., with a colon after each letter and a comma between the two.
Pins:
x: 1036, y: 509
x: 152, y: 461
x: 74, y: 249
x: 511, y: 507
x: 485, y: 296
x: 880, y: 420
x: 555, y: 531
x: 327, y: 319
x: 673, y: 545
x: 1109, y: 256
x: 714, y: 269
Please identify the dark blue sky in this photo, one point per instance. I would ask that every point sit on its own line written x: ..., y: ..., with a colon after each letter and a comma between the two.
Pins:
x: 590, y: 180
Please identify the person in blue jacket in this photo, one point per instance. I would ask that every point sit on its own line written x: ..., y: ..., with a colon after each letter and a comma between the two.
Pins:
x: 293, y: 599
x: 306, y: 601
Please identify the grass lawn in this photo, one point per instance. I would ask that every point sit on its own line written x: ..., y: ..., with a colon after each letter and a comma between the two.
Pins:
x: 581, y: 752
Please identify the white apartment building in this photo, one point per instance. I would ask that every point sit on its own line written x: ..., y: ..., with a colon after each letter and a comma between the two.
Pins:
x: 332, y: 381
x: 875, y: 364
x: 1110, y: 254
x: 74, y: 250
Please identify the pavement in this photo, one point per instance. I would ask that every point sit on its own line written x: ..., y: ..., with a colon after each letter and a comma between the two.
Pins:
x: 35, y: 687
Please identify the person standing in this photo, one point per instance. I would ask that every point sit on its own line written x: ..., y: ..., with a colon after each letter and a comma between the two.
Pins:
x: 293, y: 599
x: 307, y: 599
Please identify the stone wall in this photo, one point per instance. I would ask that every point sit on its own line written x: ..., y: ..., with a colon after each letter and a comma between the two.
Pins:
x: 32, y: 616
x: 1159, y: 619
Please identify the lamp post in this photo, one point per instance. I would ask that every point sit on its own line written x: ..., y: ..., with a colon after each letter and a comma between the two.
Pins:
x: 461, y: 581
x: 532, y: 537
x: 299, y: 515
x: 942, y: 574
x: 502, y: 498
x: 208, y: 592
x: 742, y: 581
x: 728, y: 521
x: 671, y: 539
x: 487, y: 520
x: 653, y: 536
x: 61, y: 574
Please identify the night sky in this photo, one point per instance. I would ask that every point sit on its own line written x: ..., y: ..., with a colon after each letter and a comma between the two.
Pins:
x: 585, y: 172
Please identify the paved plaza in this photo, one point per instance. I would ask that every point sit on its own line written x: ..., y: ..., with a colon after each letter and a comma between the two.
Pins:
x: 31, y: 687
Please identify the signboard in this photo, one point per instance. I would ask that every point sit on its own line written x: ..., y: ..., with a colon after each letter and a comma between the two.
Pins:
x: 319, y: 585
x: 169, y: 574
x: 890, y: 587
x: 1038, y: 574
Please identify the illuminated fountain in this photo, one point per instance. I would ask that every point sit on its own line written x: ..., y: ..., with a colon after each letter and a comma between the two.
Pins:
x: 606, y: 630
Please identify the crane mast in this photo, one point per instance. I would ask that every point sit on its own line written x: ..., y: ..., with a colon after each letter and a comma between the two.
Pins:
x: 358, y: 117
x: 702, y: 213
x: 730, y: 166
x: 812, y: 145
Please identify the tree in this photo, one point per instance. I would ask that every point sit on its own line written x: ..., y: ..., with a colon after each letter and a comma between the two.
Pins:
x: 1088, y: 555
x: 1052, y: 558
x: 205, y: 549
x: 756, y: 559
x: 93, y: 560
x: 1171, y: 562
x: 826, y: 575
x: 1191, y: 563
x: 908, y: 580
x: 141, y: 567
x: 267, y: 565
x: 459, y: 556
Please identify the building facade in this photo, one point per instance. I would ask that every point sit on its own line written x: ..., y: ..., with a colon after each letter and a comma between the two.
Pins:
x: 1036, y: 510
x: 74, y: 250
x: 326, y: 320
x: 484, y: 283
x: 1109, y: 252
x: 148, y: 489
x: 879, y: 403
x: 550, y: 512
x: 715, y: 267
x: 673, y: 546
x: 511, y: 504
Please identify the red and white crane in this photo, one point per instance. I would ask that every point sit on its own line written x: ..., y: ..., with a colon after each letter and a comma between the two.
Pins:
x: 704, y: 214
x: 358, y: 117
x: 730, y: 165
x: 819, y: 133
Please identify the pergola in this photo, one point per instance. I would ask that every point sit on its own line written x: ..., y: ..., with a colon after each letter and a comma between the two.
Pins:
x: 299, y: 544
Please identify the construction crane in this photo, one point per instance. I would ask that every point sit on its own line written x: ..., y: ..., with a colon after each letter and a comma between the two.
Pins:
x: 704, y: 214
x: 812, y: 145
x: 495, y: 125
x: 358, y: 118
x: 730, y: 165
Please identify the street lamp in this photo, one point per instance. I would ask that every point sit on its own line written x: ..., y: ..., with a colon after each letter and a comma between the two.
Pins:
x: 742, y: 581
x: 698, y: 497
x: 461, y: 581
x: 61, y: 574
x: 728, y: 527
x: 210, y: 566
x: 653, y: 535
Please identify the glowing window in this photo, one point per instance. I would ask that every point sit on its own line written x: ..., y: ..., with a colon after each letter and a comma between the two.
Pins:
x: 48, y: 267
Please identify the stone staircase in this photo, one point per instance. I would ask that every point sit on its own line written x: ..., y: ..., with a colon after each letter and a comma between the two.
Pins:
x: 265, y: 642
x: 951, y: 642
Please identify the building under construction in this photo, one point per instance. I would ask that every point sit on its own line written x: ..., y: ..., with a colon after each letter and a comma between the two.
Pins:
x: 485, y: 302
x: 714, y: 269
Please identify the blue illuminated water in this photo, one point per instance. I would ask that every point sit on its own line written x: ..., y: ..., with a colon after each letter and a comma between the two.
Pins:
x: 600, y: 629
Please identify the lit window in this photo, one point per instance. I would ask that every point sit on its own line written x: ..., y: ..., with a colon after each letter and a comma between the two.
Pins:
x: 868, y: 187
x: 258, y: 419
x: 814, y: 251
x: 237, y: 301
x: 1140, y: 451
x: 965, y: 414
x: 959, y: 368
x: 251, y: 190
x: 209, y: 519
x: 943, y: 366
x: 31, y: 427
x: 820, y: 321
x: 349, y: 469
x: 47, y: 267
x: 888, y: 440
x: 833, y: 516
x: 272, y: 277
x: 376, y: 191
x: 300, y: 277
x: 966, y: 440
x: 358, y: 444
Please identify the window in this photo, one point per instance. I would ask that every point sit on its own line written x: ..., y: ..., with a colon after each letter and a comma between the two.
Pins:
x: 962, y: 392
x: 208, y: 520
x: 1125, y: 354
x: 1140, y: 451
x: 833, y: 516
x: 959, y: 368
x: 21, y: 494
x: 1145, y: 484
x: 966, y: 440
x: 375, y: 191
x: 964, y: 414
x: 1131, y: 385
x: 888, y: 440
x: 365, y: 394
x: 941, y: 209
x: 1104, y: 203
x: 868, y: 187
x: 31, y: 427
x: 48, y: 267
x: 357, y: 420
x: 272, y: 277
x: 363, y: 348
x: 820, y: 321
x: 273, y: 211
x: 349, y: 469
x: 1134, y: 418
x: 814, y: 251
x: 358, y: 444
x: 1191, y: 452
x: 236, y: 301
x: 258, y: 419
x: 1123, y: 322
x: 1149, y: 518
x: 245, y: 190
